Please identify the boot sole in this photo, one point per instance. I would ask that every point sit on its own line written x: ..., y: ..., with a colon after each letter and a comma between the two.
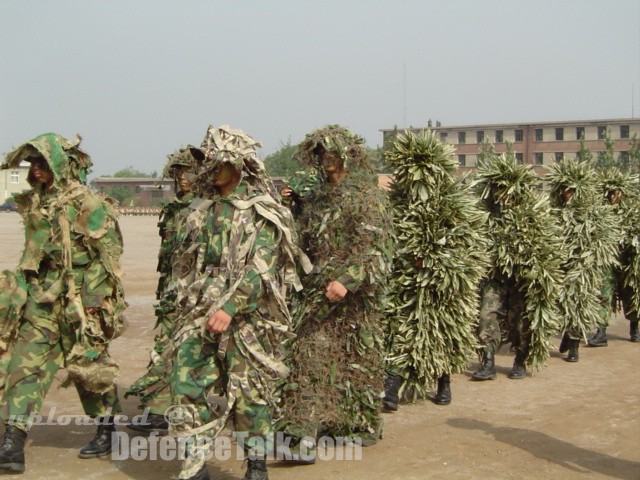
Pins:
x: 94, y: 455
x: 480, y: 379
x: 14, y: 467
x: 571, y: 360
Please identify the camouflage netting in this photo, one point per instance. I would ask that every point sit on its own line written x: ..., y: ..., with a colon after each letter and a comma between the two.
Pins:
x: 526, y: 245
x: 337, y: 357
x: 590, y: 232
x: 439, y: 260
x: 190, y: 158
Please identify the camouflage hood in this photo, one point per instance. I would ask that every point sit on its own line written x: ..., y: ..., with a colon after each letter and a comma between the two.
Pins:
x: 228, y: 145
x: 614, y: 179
x: 67, y: 162
x: 336, y: 140
x: 189, y: 156
x: 570, y: 174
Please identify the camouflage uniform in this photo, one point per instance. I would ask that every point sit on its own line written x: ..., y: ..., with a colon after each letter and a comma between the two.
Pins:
x: 153, y: 387
x: 70, y: 263
x: 238, y: 255
x: 337, y: 359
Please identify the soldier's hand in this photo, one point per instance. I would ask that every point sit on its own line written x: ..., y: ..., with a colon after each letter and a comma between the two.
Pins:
x: 91, y: 310
x: 219, y: 322
x: 285, y: 192
x: 335, y: 291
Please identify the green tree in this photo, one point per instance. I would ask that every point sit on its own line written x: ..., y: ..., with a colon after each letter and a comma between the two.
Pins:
x: 121, y: 193
x: 130, y: 172
x: 584, y: 154
x: 606, y: 159
x: 282, y: 162
x: 633, y: 157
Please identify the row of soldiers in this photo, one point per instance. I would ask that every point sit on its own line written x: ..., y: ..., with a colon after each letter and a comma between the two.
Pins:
x: 301, y: 307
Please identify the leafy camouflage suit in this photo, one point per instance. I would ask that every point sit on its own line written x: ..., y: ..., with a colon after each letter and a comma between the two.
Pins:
x: 153, y: 387
x: 337, y: 359
x: 71, y: 263
x: 238, y: 254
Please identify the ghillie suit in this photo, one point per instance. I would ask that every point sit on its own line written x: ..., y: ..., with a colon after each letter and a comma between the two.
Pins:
x: 336, y: 360
x: 440, y: 256
x: 238, y: 254
x: 75, y: 299
x: 153, y: 387
x: 520, y: 295
x: 619, y: 192
x: 591, y: 232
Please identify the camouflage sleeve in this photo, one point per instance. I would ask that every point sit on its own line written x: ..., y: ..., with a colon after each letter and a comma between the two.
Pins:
x: 353, y: 277
x: 247, y: 296
x: 99, y: 282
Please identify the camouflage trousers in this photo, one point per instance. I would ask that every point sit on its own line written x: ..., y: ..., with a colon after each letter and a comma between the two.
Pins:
x: 44, y: 339
x: 501, y: 315
x: 614, y: 289
x: 198, y: 372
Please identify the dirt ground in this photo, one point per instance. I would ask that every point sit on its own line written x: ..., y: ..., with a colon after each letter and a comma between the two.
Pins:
x: 568, y: 421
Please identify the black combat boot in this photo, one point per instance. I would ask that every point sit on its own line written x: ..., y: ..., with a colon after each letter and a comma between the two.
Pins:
x: 519, y: 370
x: 634, y: 336
x: 573, y: 355
x: 487, y: 370
x: 391, y: 388
x: 203, y: 474
x: 564, y: 344
x: 155, y: 423
x: 101, y: 444
x: 256, y: 470
x: 443, y: 396
x: 12, y: 449
x: 599, y: 339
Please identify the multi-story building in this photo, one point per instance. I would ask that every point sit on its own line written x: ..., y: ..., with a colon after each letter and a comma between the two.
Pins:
x: 13, y: 180
x: 537, y: 144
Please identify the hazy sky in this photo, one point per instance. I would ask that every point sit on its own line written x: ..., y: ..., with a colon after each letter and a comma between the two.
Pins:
x: 140, y: 78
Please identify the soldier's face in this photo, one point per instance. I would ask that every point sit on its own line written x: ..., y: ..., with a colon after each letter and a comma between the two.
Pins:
x: 615, y: 197
x: 567, y: 194
x: 181, y: 177
x: 40, y: 170
x: 330, y: 162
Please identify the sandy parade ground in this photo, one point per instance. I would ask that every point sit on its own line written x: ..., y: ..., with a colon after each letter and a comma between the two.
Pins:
x: 567, y: 421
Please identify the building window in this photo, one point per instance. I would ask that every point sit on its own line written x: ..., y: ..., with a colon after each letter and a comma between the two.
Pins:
x: 499, y: 136
x: 480, y: 136
x: 559, y: 133
x: 624, y: 131
x: 519, y: 158
x: 539, y: 136
x: 579, y: 133
x: 559, y: 156
x: 443, y: 136
x: 539, y: 160
x: 15, y: 176
x: 462, y: 137
x: 462, y: 160
x: 601, y: 132
x: 519, y: 135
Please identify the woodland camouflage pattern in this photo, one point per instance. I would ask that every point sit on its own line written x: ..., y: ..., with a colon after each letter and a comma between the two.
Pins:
x: 591, y: 232
x: 440, y: 256
x: 526, y: 250
x: 153, y: 387
x: 70, y: 262
x: 238, y: 254
x: 337, y: 358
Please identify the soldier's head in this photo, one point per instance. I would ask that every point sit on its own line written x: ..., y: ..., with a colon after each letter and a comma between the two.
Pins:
x: 615, y: 196
x: 229, y: 156
x: 333, y: 150
x: 181, y: 167
x: 55, y: 161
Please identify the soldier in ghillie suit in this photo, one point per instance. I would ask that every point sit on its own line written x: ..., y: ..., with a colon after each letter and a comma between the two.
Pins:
x: 75, y: 300
x: 591, y: 232
x: 337, y: 357
x: 620, y: 284
x: 519, y: 298
x: 153, y: 387
x: 235, y: 262
x: 440, y: 256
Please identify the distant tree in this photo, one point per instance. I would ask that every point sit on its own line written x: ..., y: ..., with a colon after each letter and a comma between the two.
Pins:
x: 584, y: 154
x: 282, y: 163
x: 633, y: 158
x: 121, y: 193
x: 486, y: 151
x: 606, y: 158
x: 377, y: 160
x: 129, y: 172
